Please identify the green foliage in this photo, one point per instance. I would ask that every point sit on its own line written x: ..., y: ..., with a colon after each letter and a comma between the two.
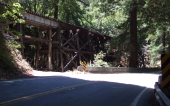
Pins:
x: 110, y: 17
x: 98, y: 60
x: 8, y: 15
x: 69, y: 11
x: 13, y: 44
x: 6, y: 60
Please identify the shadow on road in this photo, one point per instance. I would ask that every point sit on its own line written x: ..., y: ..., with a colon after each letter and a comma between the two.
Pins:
x: 67, y: 91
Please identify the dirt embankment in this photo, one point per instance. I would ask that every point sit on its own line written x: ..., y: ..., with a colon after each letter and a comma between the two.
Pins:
x: 12, y: 64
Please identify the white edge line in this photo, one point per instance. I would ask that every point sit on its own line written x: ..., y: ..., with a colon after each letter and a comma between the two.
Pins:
x: 134, y: 103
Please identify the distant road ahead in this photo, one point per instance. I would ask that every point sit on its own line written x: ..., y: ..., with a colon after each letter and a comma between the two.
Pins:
x: 79, y: 90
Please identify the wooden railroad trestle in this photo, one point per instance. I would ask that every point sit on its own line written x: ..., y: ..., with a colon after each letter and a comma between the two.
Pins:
x: 59, y: 46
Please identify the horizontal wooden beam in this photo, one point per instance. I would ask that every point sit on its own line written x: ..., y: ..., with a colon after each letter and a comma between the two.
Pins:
x: 69, y: 50
x: 39, y: 21
x: 78, y: 51
x: 30, y: 39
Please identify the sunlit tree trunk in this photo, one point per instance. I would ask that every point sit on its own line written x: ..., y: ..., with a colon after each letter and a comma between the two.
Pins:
x: 133, y: 36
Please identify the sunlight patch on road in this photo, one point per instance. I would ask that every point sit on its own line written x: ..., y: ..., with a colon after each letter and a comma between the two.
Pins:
x: 145, y: 80
x: 140, y: 79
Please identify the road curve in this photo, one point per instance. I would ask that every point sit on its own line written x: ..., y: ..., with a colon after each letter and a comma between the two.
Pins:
x: 66, y: 90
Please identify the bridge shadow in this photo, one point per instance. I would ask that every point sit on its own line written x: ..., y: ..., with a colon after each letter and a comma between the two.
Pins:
x: 68, y: 91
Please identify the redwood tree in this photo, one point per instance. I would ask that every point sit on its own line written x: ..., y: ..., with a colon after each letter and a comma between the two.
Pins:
x: 133, y: 35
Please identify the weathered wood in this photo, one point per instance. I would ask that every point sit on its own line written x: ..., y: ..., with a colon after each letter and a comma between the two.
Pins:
x: 66, y: 54
x: 54, y: 42
x: 68, y: 43
x: 61, y: 58
x: 55, y: 53
x: 70, y: 39
x: 78, y: 51
x: 85, y: 44
x: 50, y: 51
x: 57, y: 60
x: 68, y: 50
x: 90, y: 38
x: 37, y: 56
x: 39, y: 21
x: 84, y: 57
x: 78, y: 47
x: 30, y: 39
x: 78, y: 43
x: 53, y: 34
x: 53, y: 59
x: 71, y: 61
x: 86, y: 52
x: 37, y: 51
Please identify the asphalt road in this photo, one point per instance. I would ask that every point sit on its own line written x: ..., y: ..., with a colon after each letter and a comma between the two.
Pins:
x: 78, y: 90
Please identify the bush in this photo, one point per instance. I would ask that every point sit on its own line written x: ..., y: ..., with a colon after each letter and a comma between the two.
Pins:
x: 98, y: 60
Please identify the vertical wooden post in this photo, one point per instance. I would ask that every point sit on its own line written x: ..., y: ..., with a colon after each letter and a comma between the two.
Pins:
x: 53, y: 59
x: 61, y: 57
x: 37, y: 51
x: 56, y: 60
x: 92, y: 43
x: 57, y: 38
x: 37, y: 57
x: 90, y: 48
x: 78, y: 45
x: 50, y: 51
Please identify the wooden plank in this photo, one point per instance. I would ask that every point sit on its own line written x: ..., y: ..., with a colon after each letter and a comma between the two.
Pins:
x: 57, y: 60
x: 50, y: 51
x: 54, y: 34
x: 71, y: 61
x: 69, y: 43
x: 78, y: 43
x: 90, y: 40
x: 86, y: 52
x: 38, y: 20
x: 69, y: 50
x: 37, y: 52
x: 78, y: 47
x: 85, y: 44
x: 69, y: 40
x: 61, y: 57
x: 84, y: 57
x: 31, y: 39
x: 37, y: 56
x: 79, y: 57
x: 78, y: 51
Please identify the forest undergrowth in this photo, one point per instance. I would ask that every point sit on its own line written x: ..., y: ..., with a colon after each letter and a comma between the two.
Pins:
x: 12, y: 64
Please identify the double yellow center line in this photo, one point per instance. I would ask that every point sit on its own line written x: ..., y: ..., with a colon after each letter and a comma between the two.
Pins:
x: 43, y: 93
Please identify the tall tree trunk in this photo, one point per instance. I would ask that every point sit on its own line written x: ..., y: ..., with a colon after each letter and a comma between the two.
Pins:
x: 163, y: 40
x: 133, y: 36
x: 56, y: 9
x: 35, y: 6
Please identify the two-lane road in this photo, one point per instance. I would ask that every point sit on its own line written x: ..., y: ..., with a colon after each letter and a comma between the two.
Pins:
x: 79, y: 90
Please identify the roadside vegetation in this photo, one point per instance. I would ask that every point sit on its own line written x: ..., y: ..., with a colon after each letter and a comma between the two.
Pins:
x: 11, y: 61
